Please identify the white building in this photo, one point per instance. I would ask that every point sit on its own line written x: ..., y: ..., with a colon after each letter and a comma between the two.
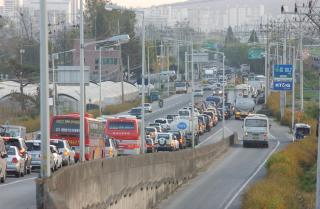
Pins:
x: 59, y: 10
x: 11, y: 7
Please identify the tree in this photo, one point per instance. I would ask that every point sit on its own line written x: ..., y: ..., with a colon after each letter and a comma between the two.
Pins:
x: 230, y: 38
x: 253, y: 37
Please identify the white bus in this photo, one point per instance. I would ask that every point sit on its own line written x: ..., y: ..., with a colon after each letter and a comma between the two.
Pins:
x: 256, y: 130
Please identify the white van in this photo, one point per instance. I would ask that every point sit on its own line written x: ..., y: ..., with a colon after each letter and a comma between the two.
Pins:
x: 256, y: 130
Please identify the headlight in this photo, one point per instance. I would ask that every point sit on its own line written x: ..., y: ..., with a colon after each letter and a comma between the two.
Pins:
x: 65, y: 153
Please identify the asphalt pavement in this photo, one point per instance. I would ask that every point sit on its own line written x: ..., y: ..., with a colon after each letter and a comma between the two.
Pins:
x: 222, y: 185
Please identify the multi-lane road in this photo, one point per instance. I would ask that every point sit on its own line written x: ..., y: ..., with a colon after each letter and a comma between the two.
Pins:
x: 222, y: 185
x: 212, y: 189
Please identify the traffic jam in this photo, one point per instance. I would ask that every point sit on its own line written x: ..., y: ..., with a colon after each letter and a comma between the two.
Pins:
x: 113, y: 136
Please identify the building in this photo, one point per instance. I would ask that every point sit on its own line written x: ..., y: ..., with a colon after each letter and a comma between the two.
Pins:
x: 11, y: 8
x: 110, y: 68
x: 205, y: 15
x: 59, y: 10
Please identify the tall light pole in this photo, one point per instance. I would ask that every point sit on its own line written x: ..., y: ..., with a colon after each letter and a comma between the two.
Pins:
x: 192, y: 95
x: 143, y: 84
x: 168, y: 66
x: 44, y: 93
x: 82, y: 88
x: 223, y: 96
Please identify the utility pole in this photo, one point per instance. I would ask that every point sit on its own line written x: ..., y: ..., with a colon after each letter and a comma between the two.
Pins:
x: 143, y: 85
x: 284, y: 61
x: 168, y: 65
x: 128, y: 61
x: 301, y: 68
x: 161, y: 65
x: 293, y: 87
x: 44, y: 92
x: 192, y: 95
x: 266, y: 65
x: 186, y: 63
x: 148, y: 70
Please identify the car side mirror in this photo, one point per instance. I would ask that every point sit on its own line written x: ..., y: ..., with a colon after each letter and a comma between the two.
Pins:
x: 5, y: 155
x: 73, y: 148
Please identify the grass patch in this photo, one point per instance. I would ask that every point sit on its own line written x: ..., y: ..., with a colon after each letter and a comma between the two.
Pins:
x: 115, y: 109
x: 32, y: 124
x: 290, y: 179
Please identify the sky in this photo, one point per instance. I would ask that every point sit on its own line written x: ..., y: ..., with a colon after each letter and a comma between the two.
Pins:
x: 144, y: 3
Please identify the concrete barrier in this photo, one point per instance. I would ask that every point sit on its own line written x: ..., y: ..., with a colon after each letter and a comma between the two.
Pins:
x: 135, y: 182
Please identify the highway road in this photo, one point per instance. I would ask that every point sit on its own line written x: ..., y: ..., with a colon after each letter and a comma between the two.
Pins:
x: 20, y: 193
x: 222, y: 185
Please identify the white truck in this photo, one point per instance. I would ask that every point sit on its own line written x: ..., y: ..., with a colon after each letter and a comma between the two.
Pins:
x: 256, y: 130
x: 244, y: 104
x: 184, y: 124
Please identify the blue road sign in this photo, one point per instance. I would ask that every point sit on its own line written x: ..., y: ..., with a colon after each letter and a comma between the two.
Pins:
x: 182, y: 126
x: 282, y: 85
x: 282, y: 71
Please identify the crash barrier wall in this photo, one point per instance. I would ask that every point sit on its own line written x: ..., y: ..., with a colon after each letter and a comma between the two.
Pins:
x: 136, y: 182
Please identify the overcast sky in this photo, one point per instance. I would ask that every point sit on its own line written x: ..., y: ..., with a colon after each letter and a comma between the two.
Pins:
x: 144, y: 3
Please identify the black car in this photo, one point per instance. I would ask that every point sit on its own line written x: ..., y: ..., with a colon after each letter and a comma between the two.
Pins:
x: 171, y: 117
x: 136, y: 112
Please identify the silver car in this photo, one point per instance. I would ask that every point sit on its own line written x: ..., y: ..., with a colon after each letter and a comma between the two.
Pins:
x: 3, y: 162
x: 64, y: 150
x: 34, y: 148
x: 15, y: 163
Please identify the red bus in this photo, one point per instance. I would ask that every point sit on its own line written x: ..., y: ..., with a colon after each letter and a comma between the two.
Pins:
x: 127, y: 132
x: 68, y: 127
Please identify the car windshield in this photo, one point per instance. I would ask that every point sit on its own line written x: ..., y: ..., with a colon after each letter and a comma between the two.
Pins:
x: 160, y: 121
x: 256, y: 123
x: 180, y: 84
x: 147, y: 105
x: 197, y: 90
x: 184, y: 113
x: 136, y: 110
x: 33, y: 146
x: 166, y: 136
x: 12, y: 132
x: 150, y: 130
x: 11, y: 151
x: 304, y: 131
x: 58, y: 144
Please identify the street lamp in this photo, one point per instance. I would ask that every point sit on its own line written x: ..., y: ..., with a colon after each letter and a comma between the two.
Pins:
x: 110, y: 7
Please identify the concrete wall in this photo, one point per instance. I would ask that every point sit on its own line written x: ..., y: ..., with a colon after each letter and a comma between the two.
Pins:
x: 136, y: 182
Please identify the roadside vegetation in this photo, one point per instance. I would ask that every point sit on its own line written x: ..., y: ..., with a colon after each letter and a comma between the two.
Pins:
x: 291, y: 173
x: 115, y: 109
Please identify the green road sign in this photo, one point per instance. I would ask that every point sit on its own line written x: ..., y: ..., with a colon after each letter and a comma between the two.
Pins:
x: 255, y: 53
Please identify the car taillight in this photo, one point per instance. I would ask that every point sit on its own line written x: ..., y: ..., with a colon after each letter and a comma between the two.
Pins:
x: 14, y: 160
x: 110, y: 152
x: 65, y: 153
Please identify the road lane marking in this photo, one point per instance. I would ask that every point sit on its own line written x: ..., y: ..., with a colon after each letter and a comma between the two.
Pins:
x: 207, y: 139
x: 252, y: 176
x: 15, y: 182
